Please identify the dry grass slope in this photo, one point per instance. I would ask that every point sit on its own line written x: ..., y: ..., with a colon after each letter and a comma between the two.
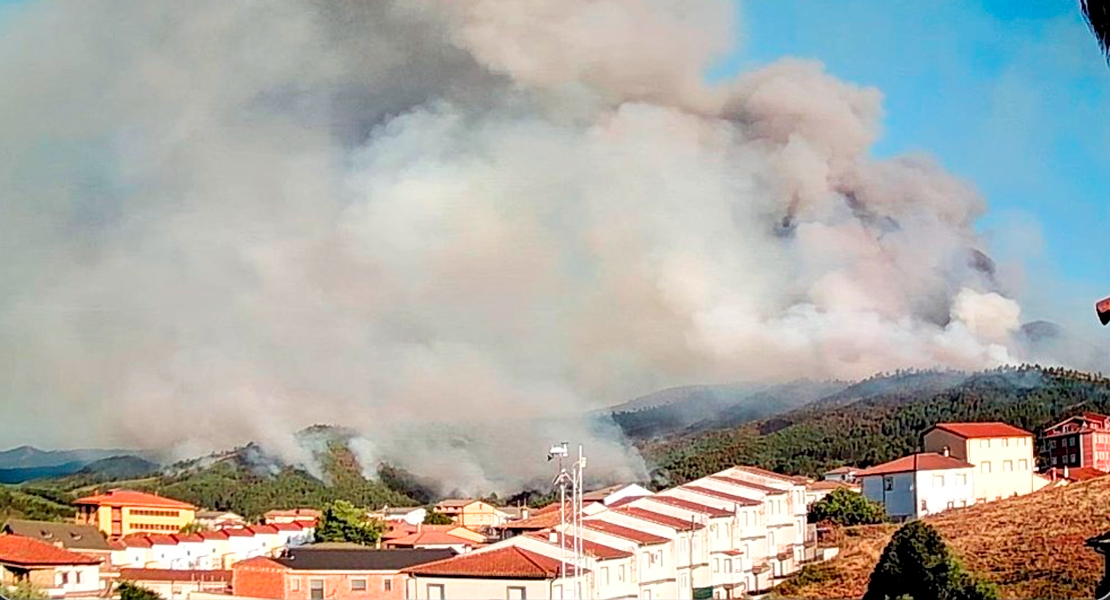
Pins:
x: 1030, y: 546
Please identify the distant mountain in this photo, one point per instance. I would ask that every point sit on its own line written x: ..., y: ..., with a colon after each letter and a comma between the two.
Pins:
x: 29, y: 457
x: 714, y: 406
x: 21, y: 474
x: 876, y: 420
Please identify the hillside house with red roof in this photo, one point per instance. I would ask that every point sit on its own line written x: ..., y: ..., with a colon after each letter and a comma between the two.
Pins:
x: 1079, y: 441
x: 920, y: 484
x: 509, y: 571
x: 1002, y: 455
x: 56, y: 571
x: 122, y: 512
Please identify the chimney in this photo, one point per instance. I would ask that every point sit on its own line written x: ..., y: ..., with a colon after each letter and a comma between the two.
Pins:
x: 1065, y: 471
x: 524, y: 512
x: 945, y: 451
x: 553, y: 537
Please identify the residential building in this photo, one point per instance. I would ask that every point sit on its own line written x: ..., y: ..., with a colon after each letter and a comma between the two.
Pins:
x: 615, y: 493
x: 291, y: 515
x: 920, y: 484
x: 82, y: 539
x: 208, y: 550
x: 122, y: 512
x: 334, y: 574
x: 1075, y: 475
x: 1079, y: 441
x: 432, y: 539
x: 1002, y: 455
x: 816, y: 490
x: 215, y: 519
x: 472, y: 514
x: 846, y: 474
x: 56, y: 571
x: 413, y: 515
x: 178, y: 584
x: 507, y: 572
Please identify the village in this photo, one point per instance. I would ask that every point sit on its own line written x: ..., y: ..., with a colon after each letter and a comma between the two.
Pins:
x: 733, y: 534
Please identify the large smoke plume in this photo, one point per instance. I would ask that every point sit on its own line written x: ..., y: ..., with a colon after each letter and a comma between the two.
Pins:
x: 223, y: 221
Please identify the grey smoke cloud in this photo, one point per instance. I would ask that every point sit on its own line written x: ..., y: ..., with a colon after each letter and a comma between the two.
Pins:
x: 223, y: 222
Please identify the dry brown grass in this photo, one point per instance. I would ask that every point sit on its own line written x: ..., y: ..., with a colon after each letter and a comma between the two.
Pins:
x: 1030, y: 546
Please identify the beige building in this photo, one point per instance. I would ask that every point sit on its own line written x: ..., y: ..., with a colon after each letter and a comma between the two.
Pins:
x: 472, y: 514
x: 1002, y: 455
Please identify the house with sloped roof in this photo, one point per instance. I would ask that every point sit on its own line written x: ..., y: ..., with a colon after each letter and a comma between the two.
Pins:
x: 56, y: 571
x: 82, y: 539
x: 920, y: 484
x: 1003, y: 456
x: 120, y: 512
x: 335, y: 573
x: 508, y: 572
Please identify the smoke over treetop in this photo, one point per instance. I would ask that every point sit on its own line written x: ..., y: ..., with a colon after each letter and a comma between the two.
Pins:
x: 226, y: 221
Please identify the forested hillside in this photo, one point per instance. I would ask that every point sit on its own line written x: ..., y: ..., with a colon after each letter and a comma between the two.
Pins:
x: 878, y: 420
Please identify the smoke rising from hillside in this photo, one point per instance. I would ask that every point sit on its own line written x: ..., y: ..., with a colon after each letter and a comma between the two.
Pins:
x: 226, y: 221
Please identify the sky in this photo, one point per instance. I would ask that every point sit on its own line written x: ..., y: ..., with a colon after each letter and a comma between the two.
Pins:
x: 1011, y: 96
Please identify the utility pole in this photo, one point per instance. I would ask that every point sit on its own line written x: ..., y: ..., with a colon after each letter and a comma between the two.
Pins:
x: 575, y: 478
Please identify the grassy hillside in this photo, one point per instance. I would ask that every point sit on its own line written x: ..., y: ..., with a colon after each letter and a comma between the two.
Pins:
x: 1030, y: 546
x: 878, y: 420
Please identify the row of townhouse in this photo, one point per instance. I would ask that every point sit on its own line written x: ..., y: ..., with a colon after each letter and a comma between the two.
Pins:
x: 219, y: 549
x: 723, y: 536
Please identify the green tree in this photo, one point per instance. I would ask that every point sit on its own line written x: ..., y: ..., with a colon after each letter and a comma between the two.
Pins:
x: 192, y: 527
x: 23, y: 590
x: 130, y: 591
x: 845, y: 507
x: 917, y: 565
x: 342, y: 521
x: 434, y: 517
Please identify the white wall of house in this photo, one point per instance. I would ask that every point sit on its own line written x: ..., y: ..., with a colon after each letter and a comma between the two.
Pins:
x: 75, y: 579
x: 944, y: 489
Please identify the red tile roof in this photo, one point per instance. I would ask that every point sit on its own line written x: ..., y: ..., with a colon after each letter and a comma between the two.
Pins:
x: 704, y: 491
x: 771, y: 474
x: 842, y: 470
x: 259, y: 561
x: 237, y: 532
x: 675, y: 523
x: 133, y: 498
x: 830, y: 485
x: 632, y: 535
x: 509, y: 562
x: 992, y: 429
x: 593, y: 549
x: 161, y: 539
x: 295, y: 513
x: 540, y: 521
x: 712, y: 511
x: 1075, y: 473
x: 28, y: 552
x: 429, y: 538
x: 306, y: 523
x: 213, y: 535
x: 263, y: 529
x: 136, y: 540
x: 770, y: 491
x: 285, y: 526
x: 187, y: 538
x: 178, y: 575
x: 926, y: 461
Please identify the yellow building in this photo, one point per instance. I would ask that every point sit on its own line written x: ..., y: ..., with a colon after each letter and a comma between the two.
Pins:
x: 1002, y: 455
x: 121, y: 512
x: 472, y: 514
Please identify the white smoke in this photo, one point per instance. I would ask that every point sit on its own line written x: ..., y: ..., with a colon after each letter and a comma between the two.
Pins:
x: 452, y: 226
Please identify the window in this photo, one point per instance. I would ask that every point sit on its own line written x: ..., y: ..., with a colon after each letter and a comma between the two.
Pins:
x: 514, y: 593
x: 358, y: 585
x: 1052, y: 444
x: 951, y: 505
x: 938, y: 480
x: 924, y: 506
x: 728, y: 565
x: 963, y: 502
x: 1071, y: 458
x: 647, y: 594
x: 716, y: 565
x: 387, y: 585
x: 1023, y: 465
x: 988, y: 442
x: 961, y: 479
x: 605, y: 575
x: 986, y: 466
x: 1054, y: 461
x: 888, y: 483
x: 77, y: 577
x: 620, y: 574
x: 65, y: 578
x: 1007, y: 465
x: 435, y: 591
x: 316, y: 589
x: 1072, y: 442
x: 557, y: 592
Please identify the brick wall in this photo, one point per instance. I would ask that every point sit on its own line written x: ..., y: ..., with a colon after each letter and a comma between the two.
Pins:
x: 255, y: 581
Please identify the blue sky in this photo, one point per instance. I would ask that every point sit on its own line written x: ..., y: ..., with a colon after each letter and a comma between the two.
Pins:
x: 1011, y: 95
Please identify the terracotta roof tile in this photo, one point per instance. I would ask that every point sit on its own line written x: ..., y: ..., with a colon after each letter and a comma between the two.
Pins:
x: 237, y: 532
x: 188, y: 538
x: 992, y: 429
x: 161, y: 539
x: 704, y: 491
x: 25, y: 551
x: 665, y: 520
x: 770, y: 474
x: 712, y: 511
x: 136, y: 540
x: 213, y: 535
x: 508, y: 562
x: 540, y: 521
x: 593, y: 549
x: 632, y: 535
x: 285, y: 526
x: 429, y: 538
x: 263, y: 529
x: 1075, y: 473
x: 770, y: 491
x: 133, y: 498
x: 926, y: 461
